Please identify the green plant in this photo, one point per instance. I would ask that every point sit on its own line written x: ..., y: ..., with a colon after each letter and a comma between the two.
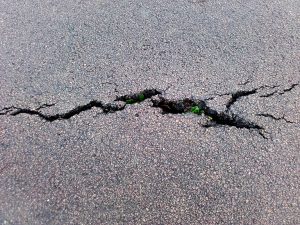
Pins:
x: 130, y: 101
x: 141, y: 97
x: 197, y: 110
x: 135, y: 99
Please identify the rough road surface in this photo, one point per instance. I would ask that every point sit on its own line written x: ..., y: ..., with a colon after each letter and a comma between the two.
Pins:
x: 149, y: 112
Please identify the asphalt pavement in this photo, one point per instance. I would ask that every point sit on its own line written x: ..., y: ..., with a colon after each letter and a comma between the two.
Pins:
x: 149, y: 112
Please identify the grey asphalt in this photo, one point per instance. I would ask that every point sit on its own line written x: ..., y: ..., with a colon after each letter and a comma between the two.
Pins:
x: 138, y: 165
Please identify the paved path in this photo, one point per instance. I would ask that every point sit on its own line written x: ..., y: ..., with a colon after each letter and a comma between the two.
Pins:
x: 96, y: 122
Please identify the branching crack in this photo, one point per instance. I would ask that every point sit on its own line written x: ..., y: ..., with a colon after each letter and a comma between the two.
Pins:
x: 274, y: 118
x: 224, y: 118
x: 6, y: 110
x: 107, y: 108
x: 110, y: 107
x: 280, y: 92
x: 197, y: 106
x: 289, y: 89
x: 237, y: 95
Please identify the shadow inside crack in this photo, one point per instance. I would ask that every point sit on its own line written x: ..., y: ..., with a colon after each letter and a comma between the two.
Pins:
x: 138, y: 97
x: 217, y: 118
x: 196, y: 106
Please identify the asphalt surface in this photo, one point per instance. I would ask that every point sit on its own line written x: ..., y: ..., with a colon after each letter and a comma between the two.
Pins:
x: 137, y: 165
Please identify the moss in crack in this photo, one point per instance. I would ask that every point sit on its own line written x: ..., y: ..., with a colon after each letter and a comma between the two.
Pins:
x: 130, y: 101
x: 135, y: 99
x: 179, y: 106
x: 141, y: 97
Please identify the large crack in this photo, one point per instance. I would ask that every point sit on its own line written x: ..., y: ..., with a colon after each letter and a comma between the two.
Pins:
x: 225, y: 118
x: 51, y: 118
x: 107, y: 108
x: 197, y: 106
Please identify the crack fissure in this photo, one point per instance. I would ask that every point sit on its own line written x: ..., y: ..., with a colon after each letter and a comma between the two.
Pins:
x: 197, y: 106
x: 66, y: 115
x: 216, y: 118
x: 138, y: 97
x: 237, y: 95
x: 274, y: 118
x: 289, y: 89
x: 107, y: 108
x: 280, y: 92
x: 269, y: 94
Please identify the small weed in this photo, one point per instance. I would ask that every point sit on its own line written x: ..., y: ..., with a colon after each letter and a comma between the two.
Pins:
x: 196, y: 110
x: 136, y: 99
x: 141, y: 97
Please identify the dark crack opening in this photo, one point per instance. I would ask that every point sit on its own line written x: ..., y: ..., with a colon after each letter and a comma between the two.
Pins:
x: 237, y: 95
x: 138, y: 97
x: 280, y: 92
x: 274, y: 118
x: 217, y: 118
x: 196, y: 106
